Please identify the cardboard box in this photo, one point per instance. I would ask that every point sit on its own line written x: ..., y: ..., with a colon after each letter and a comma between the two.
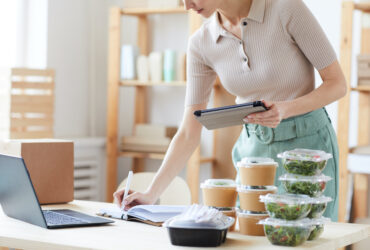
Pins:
x: 50, y: 163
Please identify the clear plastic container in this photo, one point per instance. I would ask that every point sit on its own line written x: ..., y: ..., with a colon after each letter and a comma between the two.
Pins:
x: 319, y: 205
x: 228, y: 211
x: 304, y: 161
x: 219, y: 192
x: 287, y: 206
x: 317, y: 227
x: 257, y: 171
x: 249, y: 197
x: 287, y: 233
x: 313, y: 186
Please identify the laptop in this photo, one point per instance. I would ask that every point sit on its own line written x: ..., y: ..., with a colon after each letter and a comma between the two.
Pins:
x: 19, y: 200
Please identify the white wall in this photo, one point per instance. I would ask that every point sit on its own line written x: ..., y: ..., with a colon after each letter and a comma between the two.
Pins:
x: 77, y: 49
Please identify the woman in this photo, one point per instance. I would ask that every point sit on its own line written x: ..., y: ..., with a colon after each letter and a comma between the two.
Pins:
x: 261, y: 50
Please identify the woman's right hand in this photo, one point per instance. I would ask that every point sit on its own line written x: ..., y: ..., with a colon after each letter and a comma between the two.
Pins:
x: 133, y: 199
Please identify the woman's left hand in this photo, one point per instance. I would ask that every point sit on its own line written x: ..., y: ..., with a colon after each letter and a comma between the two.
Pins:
x: 270, y: 118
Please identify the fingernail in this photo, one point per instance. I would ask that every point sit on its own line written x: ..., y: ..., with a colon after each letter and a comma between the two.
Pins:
x: 245, y: 120
x: 249, y: 116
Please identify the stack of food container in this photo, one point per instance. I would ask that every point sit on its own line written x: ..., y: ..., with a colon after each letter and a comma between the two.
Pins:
x: 257, y: 177
x: 297, y: 216
x: 220, y: 194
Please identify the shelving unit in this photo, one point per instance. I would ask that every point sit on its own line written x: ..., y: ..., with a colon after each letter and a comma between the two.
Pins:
x: 221, y: 160
x: 360, y: 180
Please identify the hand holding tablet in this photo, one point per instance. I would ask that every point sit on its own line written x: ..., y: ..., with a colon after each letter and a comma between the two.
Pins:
x: 227, y: 116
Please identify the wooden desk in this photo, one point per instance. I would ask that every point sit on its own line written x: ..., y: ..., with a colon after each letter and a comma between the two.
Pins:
x: 134, y: 235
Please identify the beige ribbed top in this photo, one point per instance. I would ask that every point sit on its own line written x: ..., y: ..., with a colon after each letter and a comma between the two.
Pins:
x: 281, y: 44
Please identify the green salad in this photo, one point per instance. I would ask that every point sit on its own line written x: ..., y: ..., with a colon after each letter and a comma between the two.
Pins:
x: 313, y: 186
x: 288, y: 211
x: 316, y: 232
x: 317, y: 210
x: 304, y: 167
x: 304, y: 161
x: 287, y: 206
x: 286, y: 233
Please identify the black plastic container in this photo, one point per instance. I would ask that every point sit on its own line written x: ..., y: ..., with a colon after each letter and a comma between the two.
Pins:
x: 189, y: 233
x: 197, y: 237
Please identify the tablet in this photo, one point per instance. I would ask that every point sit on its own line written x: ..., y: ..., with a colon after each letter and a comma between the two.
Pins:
x: 227, y: 116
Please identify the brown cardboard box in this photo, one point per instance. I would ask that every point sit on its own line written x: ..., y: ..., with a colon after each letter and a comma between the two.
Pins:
x: 50, y: 163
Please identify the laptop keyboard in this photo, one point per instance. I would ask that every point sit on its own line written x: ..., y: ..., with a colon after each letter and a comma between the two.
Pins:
x: 53, y: 218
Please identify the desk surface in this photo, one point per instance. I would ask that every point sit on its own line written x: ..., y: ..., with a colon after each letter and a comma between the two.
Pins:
x: 134, y: 235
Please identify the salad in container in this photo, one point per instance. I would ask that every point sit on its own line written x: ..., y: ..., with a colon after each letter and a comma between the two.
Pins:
x: 319, y: 205
x: 313, y: 186
x: 286, y: 232
x: 287, y: 206
x: 304, y: 161
x: 317, y: 227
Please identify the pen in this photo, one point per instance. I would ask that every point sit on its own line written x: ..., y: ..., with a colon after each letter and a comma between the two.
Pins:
x: 128, y: 182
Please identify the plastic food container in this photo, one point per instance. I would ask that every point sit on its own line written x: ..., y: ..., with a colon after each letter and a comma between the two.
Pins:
x: 317, y: 227
x: 257, y: 171
x: 185, y: 232
x: 319, y: 205
x: 313, y: 186
x: 287, y: 233
x: 287, y: 206
x: 249, y: 197
x: 248, y: 222
x: 231, y: 212
x: 304, y: 161
x: 219, y: 192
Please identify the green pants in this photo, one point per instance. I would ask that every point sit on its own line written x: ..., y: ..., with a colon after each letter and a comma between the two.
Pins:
x: 311, y: 131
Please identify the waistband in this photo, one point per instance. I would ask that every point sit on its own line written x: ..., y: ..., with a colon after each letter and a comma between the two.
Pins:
x: 297, y: 126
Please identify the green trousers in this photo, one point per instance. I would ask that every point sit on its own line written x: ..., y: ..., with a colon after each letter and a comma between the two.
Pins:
x: 311, y: 131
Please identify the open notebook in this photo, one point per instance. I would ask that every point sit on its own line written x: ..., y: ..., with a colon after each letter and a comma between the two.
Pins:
x: 150, y: 214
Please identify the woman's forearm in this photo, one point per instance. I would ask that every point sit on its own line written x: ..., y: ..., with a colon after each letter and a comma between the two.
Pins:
x: 333, y: 88
x: 178, y: 153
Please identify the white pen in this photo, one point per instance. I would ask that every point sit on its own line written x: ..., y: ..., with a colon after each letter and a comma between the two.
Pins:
x: 128, y: 182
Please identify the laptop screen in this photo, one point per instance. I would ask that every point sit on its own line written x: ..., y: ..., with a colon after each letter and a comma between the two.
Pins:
x: 17, y: 195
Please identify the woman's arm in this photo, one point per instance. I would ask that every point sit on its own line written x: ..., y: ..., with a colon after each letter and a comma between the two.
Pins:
x: 181, y: 148
x: 333, y: 88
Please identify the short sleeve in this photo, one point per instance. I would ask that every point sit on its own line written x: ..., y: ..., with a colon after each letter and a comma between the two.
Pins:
x: 200, y: 76
x: 303, y: 29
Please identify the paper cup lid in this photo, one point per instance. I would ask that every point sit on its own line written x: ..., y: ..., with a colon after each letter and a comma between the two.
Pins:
x: 226, y: 183
x: 246, y: 213
x: 247, y: 189
x: 248, y: 162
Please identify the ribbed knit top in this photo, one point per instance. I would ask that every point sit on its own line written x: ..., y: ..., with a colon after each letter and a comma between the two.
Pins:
x: 281, y: 44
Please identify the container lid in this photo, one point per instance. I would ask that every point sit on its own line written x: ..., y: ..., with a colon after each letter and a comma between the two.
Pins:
x: 249, y: 162
x: 312, y: 179
x: 290, y: 199
x: 200, y: 217
x: 286, y: 223
x: 320, y: 221
x: 218, y: 183
x: 321, y: 200
x: 246, y: 213
x: 225, y: 209
x: 305, y: 155
x: 248, y: 189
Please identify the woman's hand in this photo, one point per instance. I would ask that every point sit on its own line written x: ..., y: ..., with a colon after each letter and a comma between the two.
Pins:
x: 133, y: 199
x: 270, y: 118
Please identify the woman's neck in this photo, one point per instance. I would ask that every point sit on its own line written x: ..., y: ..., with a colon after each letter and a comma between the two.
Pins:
x: 233, y: 11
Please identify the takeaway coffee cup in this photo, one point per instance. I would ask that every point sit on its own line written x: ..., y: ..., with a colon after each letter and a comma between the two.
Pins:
x: 257, y: 171
x: 219, y: 193
x: 250, y: 197
x: 248, y: 222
